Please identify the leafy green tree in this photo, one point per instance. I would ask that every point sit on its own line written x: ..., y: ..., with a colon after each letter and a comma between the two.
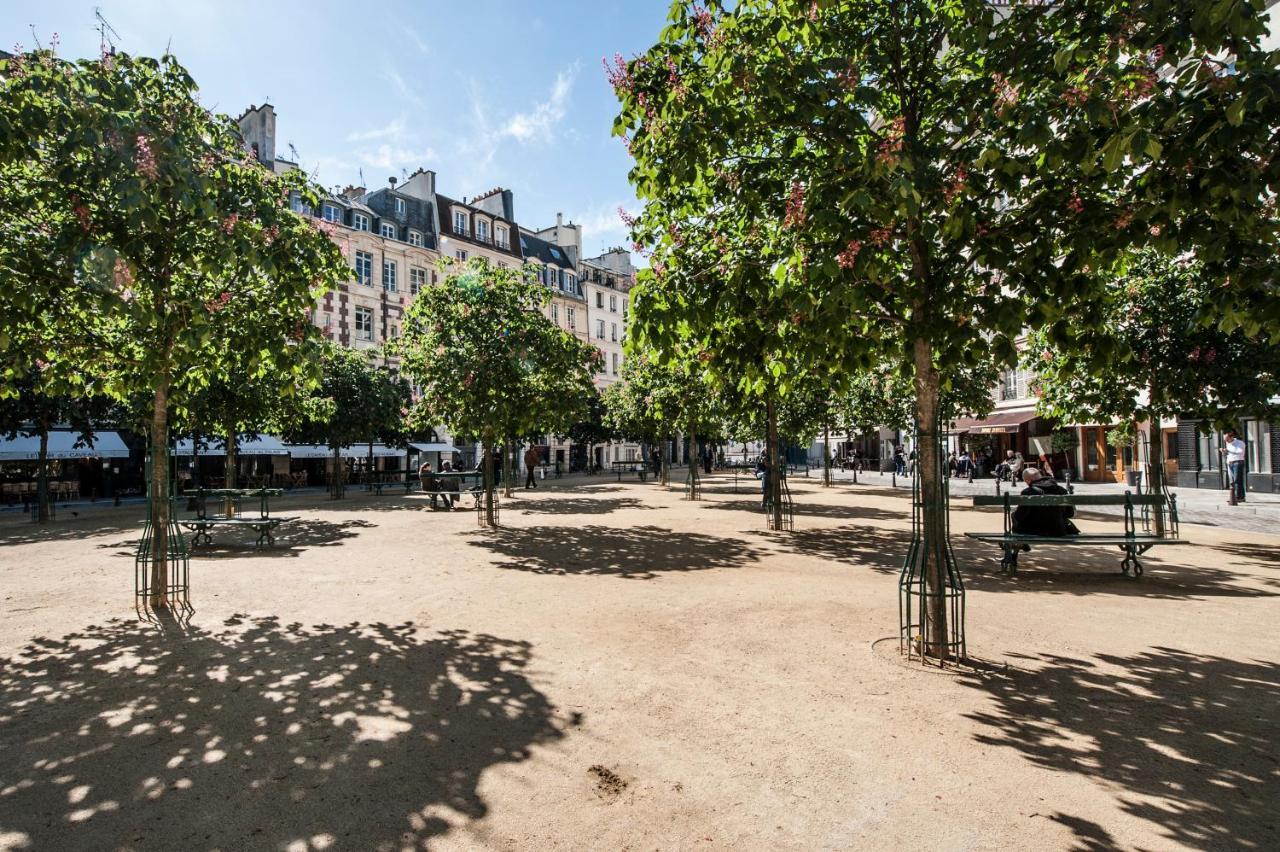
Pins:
x: 176, y: 223
x: 489, y: 363
x: 37, y: 407
x: 592, y: 428
x: 949, y: 173
x: 355, y: 402
x: 1156, y: 355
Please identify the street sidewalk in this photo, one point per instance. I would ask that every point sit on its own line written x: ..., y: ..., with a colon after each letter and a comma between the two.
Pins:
x: 1259, y: 513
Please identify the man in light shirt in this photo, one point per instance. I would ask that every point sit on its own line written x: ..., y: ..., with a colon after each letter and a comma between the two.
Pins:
x: 1234, y: 450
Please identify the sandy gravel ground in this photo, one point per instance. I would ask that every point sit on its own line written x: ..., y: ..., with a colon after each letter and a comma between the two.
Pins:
x: 619, y: 669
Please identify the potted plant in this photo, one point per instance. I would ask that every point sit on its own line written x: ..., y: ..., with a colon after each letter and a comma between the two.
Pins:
x: 1063, y: 442
x: 1124, y: 438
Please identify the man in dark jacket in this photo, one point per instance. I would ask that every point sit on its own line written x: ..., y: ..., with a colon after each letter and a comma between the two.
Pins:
x: 531, y: 459
x: 1043, y: 520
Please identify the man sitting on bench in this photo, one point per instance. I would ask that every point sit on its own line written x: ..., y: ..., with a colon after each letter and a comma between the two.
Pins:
x: 448, y: 485
x: 1051, y: 521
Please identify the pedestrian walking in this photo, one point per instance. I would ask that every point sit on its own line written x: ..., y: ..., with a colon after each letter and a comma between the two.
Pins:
x: 899, y: 461
x: 531, y: 459
x: 1234, y: 451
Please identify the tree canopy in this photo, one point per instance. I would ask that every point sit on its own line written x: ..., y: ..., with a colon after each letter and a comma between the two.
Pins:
x: 923, y: 180
x: 488, y: 361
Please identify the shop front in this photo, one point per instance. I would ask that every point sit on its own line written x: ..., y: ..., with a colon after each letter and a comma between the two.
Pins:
x: 74, y: 472
x: 989, y: 439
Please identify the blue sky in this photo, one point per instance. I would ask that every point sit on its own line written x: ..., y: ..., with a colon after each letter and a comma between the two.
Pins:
x: 500, y: 93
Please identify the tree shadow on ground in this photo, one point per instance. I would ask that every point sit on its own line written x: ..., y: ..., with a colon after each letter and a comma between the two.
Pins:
x: 68, y: 528
x: 1254, y: 552
x: 871, y: 547
x: 638, y: 553
x: 292, y: 538
x: 258, y: 734
x: 1085, y: 570
x: 818, y: 510
x: 1068, y: 570
x: 580, y: 505
x: 1186, y: 742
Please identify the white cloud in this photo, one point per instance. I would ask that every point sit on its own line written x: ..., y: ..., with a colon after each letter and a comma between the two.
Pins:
x: 390, y: 130
x: 395, y: 157
x: 541, y: 122
x: 601, y: 225
x: 417, y: 40
x: 402, y: 88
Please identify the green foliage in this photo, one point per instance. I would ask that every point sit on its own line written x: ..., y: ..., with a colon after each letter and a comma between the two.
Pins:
x: 355, y: 402
x: 488, y: 362
x: 164, y: 235
x: 1158, y: 353
x: 1064, y: 440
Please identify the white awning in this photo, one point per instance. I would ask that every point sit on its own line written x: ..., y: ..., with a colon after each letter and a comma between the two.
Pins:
x: 263, y: 445
x: 309, y: 451
x: 355, y: 451
x: 62, y: 445
x: 433, y: 448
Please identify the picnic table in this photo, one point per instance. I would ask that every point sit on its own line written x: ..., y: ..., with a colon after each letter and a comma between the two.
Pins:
x: 264, y: 523
x: 632, y: 465
x: 1132, y: 542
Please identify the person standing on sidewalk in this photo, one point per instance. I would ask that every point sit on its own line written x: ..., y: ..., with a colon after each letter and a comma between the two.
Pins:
x: 1234, y: 453
x: 531, y: 459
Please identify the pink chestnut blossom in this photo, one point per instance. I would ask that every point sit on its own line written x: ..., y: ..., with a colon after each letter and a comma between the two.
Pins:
x: 143, y: 159
x: 849, y: 256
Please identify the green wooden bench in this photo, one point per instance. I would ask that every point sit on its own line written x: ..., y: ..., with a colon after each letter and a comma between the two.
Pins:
x: 1138, y: 536
x: 264, y: 523
x: 630, y: 466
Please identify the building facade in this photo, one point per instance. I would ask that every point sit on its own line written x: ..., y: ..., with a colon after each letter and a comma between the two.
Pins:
x: 607, y: 282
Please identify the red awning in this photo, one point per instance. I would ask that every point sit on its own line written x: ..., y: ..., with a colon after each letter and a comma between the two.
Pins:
x: 995, y: 422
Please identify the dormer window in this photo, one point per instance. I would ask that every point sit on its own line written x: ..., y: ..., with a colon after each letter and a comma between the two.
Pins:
x: 482, y: 230
x: 400, y: 206
x: 501, y: 238
x: 459, y: 222
x: 360, y: 222
x: 388, y: 230
x: 332, y: 213
x: 415, y: 238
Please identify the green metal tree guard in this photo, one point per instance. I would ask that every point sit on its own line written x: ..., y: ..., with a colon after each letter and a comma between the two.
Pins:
x: 785, y: 520
x: 916, y: 631
x: 178, y: 577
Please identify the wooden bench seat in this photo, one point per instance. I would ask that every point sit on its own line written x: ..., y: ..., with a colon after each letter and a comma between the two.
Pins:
x: 265, y: 527
x: 1132, y: 541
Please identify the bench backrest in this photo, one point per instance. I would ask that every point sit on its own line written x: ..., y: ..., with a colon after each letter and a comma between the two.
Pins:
x: 1126, y: 499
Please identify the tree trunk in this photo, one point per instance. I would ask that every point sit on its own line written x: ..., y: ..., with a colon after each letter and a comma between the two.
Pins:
x: 773, y: 465
x: 664, y: 472
x: 1155, y: 480
x: 160, y: 496
x: 826, y: 455
x: 368, y: 470
x: 486, y: 470
x: 693, y: 466
x: 233, y: 456
x: 42, y: 475
x: 933, y: 531
x: 195, y: 461
x: 337, y: 473
x: 508, y: 467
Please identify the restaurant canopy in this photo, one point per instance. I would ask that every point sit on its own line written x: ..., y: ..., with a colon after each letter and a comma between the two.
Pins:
x: 994, y: 423
x: 263, y: 445
x: 435, y: 447
x: 62, y: 445
x: 355, y: 451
